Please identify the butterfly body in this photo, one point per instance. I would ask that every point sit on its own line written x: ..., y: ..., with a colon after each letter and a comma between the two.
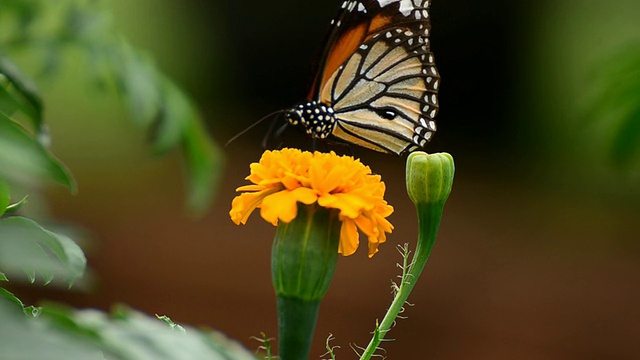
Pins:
x: 377, y: 83
x: 317, y: 119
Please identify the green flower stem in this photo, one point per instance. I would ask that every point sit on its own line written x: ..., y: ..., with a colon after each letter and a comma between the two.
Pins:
x: 303, y: 260
x: 429, y: 182
x: 296, y: 325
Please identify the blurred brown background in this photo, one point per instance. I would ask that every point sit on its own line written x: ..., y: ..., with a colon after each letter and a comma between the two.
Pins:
x: 539, y: 252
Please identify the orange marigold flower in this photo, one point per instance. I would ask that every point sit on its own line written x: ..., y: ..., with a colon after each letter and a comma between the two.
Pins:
x: 285, y: 177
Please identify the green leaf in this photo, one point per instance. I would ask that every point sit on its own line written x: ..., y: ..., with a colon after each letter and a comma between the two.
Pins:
x: 139, y: 83
x: 24, y: 338
x: 23, y: 158
x: 61, y: 333
x: 8, y: 103
x: 9, y: 298
x: 153, y: 100
x: 133, y: 335
x: 30, y: 311
x: 26, y: 246
x: 627, y: 140
x: 170, y: 322
x: 3, y: 277
x: 20, y: 93
x: 176, y: 113
x: 618, y: 81
x: 204, y: 162
x: 14, y: 208
x: 4, y: 197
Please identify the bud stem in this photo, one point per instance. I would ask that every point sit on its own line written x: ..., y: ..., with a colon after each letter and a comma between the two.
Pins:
x: 429, y: 182
x: 429, y: 217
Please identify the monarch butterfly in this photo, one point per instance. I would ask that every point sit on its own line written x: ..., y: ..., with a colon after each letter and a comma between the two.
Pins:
x: 377, y: 83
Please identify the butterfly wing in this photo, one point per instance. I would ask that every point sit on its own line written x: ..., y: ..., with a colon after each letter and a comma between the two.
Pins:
x: 379, y: 75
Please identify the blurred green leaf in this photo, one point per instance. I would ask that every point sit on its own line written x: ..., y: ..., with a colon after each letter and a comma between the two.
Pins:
x: 19, y: 93
x: 133, y: 335
x: 175, y: 114
x: 170, y: 322
x: 204, y: 164
x: 4, y: 197
x: 3, y: 277
x: 153, y: 100
x: 627, y: 141
x: 26, y: 246
x: 23, y: 338
x: 138, y: 82
x: 618, y: 104
x: 14, y: 208
x: 11, y: 299
x: 174, y: 121
x: 22, y: 157
x: 29, y: 311
x: 125, y: 335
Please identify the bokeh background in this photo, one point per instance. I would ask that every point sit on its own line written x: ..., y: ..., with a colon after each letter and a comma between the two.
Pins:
x: 539, y: 251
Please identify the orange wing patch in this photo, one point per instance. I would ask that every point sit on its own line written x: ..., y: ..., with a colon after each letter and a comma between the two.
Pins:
x: 342, y: 50
x: 345, y: 46
x: 377, y: 23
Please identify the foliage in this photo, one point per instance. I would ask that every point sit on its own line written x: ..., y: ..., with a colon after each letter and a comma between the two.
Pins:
x: 23, y: 153
x: 618, y: 104
x: 56, y: 333
x: 52, y: 29
x: 28, y: 247
x: 29, y: 250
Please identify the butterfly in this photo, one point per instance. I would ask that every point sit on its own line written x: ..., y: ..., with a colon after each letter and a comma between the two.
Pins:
x: 376, y: 85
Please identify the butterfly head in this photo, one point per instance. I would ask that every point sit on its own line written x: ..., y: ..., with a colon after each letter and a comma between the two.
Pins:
x: 317, y: 119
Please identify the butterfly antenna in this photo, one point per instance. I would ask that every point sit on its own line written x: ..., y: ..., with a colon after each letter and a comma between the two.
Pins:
x: 269, y: 133
x: 252, y: 126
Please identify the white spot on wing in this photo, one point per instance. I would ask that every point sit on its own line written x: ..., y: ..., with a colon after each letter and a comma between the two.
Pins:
x: 406, y: 6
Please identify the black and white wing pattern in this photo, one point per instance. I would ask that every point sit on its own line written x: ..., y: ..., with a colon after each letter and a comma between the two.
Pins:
x: 377, y: 83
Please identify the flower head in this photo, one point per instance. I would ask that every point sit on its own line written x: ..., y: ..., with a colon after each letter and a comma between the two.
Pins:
x: 284, y: 178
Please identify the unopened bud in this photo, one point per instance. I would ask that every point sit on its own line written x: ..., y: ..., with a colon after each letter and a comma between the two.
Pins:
x: 429, y: 177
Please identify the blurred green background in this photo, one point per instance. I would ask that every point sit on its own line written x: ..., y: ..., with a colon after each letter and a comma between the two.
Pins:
x: 539, y: 251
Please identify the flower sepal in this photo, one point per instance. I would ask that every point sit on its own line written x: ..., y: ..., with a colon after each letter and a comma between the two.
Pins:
x: 305, y: 252
x: 303, y: 260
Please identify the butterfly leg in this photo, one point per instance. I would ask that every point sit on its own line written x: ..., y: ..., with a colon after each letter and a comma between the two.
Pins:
x: 274, y: 134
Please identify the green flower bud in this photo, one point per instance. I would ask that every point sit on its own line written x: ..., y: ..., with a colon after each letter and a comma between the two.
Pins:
x: 429, y: 177
x: 429, y: 182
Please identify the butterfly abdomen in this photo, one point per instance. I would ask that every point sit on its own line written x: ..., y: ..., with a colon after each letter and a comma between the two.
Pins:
x: 316, y: 118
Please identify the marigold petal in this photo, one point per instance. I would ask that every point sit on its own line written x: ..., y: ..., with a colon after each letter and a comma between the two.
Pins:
x: 305, y: 195
x: 243, y: 205
x: 323, y: 178
x: 383, y: 224
x: 373, y: 249
x: 366, y: 226
x: 350, y: 205
x: 290, y: 182
x: 250, y: 188
x: 349, y: 238
x: 281, y: 205
x: 268, y: 182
